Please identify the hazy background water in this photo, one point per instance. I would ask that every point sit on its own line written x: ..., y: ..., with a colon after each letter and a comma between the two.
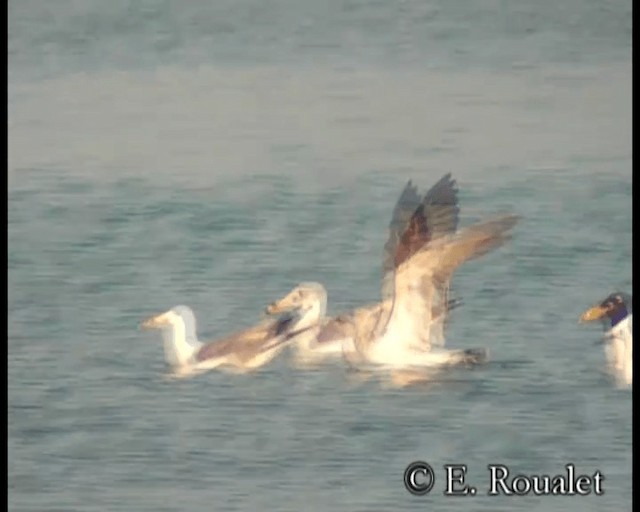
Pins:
x: 216, y: 153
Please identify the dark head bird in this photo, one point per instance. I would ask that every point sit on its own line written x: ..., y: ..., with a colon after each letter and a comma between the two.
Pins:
x: 612, y: 310
x: 615, y: 313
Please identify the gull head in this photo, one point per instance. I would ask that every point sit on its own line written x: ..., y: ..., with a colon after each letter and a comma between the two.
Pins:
x: 615, y: 308
x: 175, y: 317
x: 302, y: 298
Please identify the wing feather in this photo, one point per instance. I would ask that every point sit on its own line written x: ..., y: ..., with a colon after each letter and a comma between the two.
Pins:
x: 415, y: 222
x: 421, y: 282
x: 248, y: 342
x: 336, y: 328
x: 440, y: 258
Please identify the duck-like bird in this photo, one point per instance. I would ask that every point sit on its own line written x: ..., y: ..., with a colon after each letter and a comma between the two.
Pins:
x: 414, y: 222
x: 403, y: 337
x: 241, y: 352
x: 615, y: 312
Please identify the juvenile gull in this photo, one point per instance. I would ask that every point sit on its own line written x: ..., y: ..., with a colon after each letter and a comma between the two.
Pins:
x: 415, y: 221
x: 241, y: 352
x: 403, y: 337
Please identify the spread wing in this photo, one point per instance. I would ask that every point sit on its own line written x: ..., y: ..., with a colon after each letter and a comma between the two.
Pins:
x: 421, y: 282
x: 415, y: 222
x: 440, y: 258
x: 407, y: 204
x: 250, y: 342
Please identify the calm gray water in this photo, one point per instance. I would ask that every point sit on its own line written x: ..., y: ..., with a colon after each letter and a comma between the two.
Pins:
x: 216, y: 153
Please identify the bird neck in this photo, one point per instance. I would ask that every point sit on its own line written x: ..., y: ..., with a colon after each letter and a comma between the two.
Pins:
x: 619, y: 315
x: 179, y: 344
x: 312, y: 313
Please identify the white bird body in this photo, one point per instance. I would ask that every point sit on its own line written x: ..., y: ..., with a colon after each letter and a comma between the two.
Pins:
x: 403, y: 339
x: 178, y: 350
x: 243, y: 351
x: 619, y: 351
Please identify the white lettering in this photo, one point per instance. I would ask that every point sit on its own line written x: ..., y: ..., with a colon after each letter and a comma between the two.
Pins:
x: 583, y: 479
x: 414, y: 474
x: 521, y: 485
x: 495, y: 479
x: 558, y: 486
x: 455, y: 474
x: 598, y: 477
x: 570, y: 479
x: 541, y: 485
x: 568, y: 484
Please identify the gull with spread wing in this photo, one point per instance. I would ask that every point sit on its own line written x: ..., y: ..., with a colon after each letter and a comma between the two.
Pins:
x: 402, y: 338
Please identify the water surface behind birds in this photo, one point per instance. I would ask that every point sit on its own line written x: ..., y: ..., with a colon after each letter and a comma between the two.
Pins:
x: 217, y: 153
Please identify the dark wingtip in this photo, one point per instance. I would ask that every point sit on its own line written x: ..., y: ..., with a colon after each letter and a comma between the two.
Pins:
x: 453, y: 304
x: 476, y: 355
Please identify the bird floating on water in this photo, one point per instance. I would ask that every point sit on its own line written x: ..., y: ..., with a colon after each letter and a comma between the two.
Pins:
x: 403, y: 337
x: 616, y: 314
x: 241, y: 352
x: 414, y: 222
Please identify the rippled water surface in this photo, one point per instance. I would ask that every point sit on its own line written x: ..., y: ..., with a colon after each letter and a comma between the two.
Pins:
x: 217, y: 153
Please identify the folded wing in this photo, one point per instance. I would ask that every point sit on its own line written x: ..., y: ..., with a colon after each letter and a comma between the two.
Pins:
x: 241, y: 347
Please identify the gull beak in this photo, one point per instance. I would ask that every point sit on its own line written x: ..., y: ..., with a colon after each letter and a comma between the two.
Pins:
x: 281, y: 306
x: 156, y: 322
x: 594, y: 313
